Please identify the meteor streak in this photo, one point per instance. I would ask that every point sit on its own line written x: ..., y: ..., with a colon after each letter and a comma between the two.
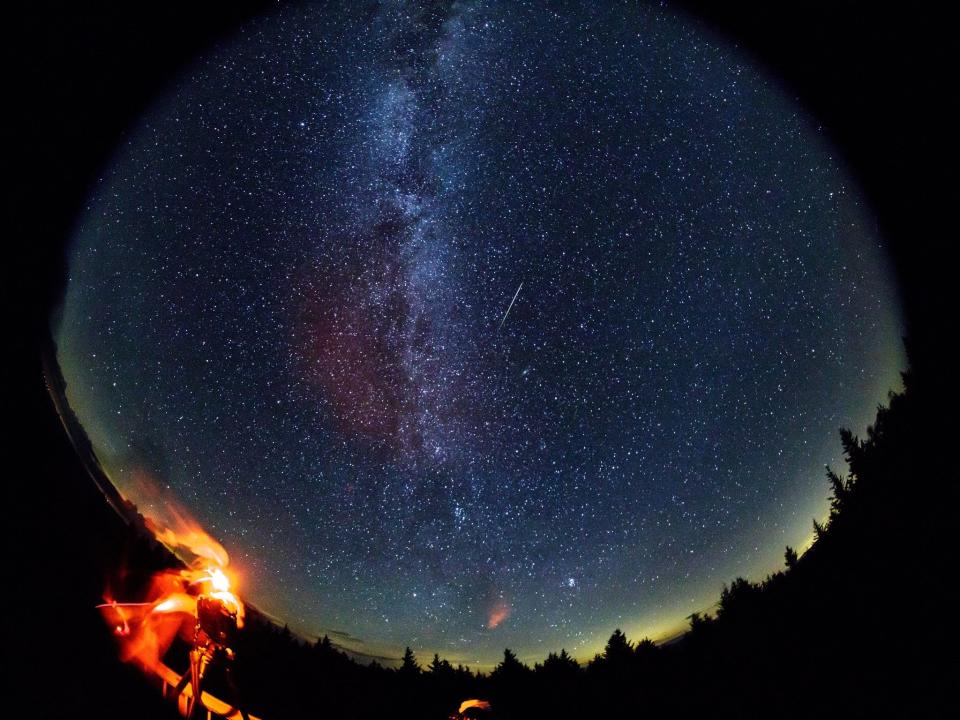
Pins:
x: 510, y: 307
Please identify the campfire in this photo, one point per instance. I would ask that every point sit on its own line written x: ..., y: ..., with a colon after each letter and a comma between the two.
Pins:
x: 196, y: 604
x: 470, y: 705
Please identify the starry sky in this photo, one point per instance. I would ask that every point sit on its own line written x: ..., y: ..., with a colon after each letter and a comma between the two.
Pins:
x: 476, y: 324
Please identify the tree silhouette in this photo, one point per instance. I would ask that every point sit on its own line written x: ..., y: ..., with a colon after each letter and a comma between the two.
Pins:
x: 700, y: 624
x: 819, y: 529
x: 646, y: 650
x: 560, y: 664
x: 440, y: 667
x: 617, y: 654
x: 618, y: 651
x: 790, y: 558
x: 509, y: 667
x: 409, y: 664
x: 735, y: 598
x: 840, y: 490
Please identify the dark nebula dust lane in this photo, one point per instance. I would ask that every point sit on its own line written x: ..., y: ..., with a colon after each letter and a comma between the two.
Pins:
x: 473, y: 325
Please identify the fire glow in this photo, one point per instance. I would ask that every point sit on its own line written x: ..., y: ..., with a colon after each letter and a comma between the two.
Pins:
x: 173, y: 602
x: 467, y: 704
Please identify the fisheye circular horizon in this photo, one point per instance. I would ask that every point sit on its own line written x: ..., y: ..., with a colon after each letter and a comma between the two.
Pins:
x: 467, y: 326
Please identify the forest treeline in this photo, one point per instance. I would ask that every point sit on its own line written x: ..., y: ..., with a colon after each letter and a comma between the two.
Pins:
x: 858, y: 626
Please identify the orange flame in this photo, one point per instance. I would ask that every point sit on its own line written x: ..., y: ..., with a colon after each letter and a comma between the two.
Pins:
x: 467, y: 704
x: 172, y: 525
x: 146, y: 629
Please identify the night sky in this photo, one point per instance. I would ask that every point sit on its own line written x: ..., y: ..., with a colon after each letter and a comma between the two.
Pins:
x: 476, y: 325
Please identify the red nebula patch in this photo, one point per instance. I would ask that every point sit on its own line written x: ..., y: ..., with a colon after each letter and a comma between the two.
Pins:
x: 345, y: 354
x: 500, y: 612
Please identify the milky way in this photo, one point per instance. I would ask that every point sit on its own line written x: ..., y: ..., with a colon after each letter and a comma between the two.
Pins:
x: 477, y: 325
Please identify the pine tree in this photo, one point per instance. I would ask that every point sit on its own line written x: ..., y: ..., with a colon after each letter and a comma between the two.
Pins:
x: 562, y: 663
x: 509, y: 667
x: 618, y: 650
x: 819, y: 529
x: 440, y: 667
x: 840, y: 489
x: 409, y: 665
x: 646, y: 648
x: 790, y: 558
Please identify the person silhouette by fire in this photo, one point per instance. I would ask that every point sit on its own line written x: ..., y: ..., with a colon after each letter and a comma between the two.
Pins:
x: 219, y: 617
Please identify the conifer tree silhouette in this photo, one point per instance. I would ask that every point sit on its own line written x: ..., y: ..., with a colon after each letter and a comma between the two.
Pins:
x: 790, y: 558
x: 409, y: 664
